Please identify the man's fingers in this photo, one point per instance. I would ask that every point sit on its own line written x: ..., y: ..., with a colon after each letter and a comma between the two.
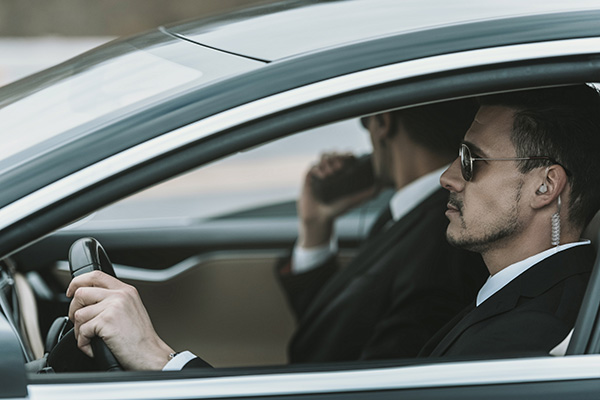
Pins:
x: 86, y: 296
x: 331, y: 163
x: 90, y: 322
x: 315, y: 170
x: 83, y: 315
x: 86, y: 332
x: 327, y: 166
x: 93, y: 279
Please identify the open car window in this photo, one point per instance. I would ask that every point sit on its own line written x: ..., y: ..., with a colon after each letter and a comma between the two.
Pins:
x: 254, y: 178
x: 203, y: 211
x: 189, y: 240
x: 207, y: 243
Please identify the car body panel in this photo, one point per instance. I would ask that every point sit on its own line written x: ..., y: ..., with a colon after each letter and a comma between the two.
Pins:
x: 12, y: 370
x: 390, y: 382
x: 288, y: 29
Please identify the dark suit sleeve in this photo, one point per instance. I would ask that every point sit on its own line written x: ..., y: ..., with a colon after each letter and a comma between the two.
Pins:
x: 533, y: 327
x: 404, y: 284
x: 196, y: 363
x: 301, y: 288
x: 506, y: 338
x: 407, y: 327
x: 420, y: 306
x: 432, y: 343
x: 529, y: 316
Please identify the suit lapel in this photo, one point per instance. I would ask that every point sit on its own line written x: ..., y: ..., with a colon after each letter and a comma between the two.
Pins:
x: 372, y: 251
x: 381, y: 222
x: 377, y: 245
x: 530, y: 283
x: 505, y: 302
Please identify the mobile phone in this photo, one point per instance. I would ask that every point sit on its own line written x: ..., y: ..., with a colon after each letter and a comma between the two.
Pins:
x: 356, y: 175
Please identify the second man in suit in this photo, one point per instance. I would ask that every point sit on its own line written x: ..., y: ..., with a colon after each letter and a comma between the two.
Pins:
x: 406, y: 281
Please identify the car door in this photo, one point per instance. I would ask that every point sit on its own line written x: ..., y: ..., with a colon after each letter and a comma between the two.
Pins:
x: 364, y: 92
x: 207, y: 243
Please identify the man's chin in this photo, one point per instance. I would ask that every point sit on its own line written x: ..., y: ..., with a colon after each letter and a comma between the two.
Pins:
x: 452, y: 240
x: 462, y: 242
x: 452, y: 236
x: 480, y: 246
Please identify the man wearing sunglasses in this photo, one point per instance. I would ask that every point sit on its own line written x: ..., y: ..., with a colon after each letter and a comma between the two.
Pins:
x: 525, y: 185
x: 522, y: 190
x: 406, y: 281
x: 403, y: 286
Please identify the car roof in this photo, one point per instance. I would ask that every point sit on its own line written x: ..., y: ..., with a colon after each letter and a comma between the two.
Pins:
x: 275, y: 31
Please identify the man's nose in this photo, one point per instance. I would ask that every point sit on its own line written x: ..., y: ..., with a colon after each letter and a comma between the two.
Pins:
x: 452, y: 179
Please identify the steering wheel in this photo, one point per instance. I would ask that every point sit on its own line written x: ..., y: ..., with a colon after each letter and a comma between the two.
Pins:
x: 85, y: 255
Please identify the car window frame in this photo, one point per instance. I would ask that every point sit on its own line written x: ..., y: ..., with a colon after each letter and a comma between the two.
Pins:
x: 504, y: 378
x: 418, y: 89
x: 423, y: 80
x: 303, y: 70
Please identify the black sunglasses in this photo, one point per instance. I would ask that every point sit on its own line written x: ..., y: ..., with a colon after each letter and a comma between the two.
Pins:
x: 466, y: 161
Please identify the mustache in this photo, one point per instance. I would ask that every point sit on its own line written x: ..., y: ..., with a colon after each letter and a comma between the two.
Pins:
x: 454, y: 201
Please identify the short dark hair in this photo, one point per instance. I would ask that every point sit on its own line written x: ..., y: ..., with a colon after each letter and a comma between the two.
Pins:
x: 439, y: 127
x: 562, y: 123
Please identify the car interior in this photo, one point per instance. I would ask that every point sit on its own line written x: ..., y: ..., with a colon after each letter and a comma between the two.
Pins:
x: 202, y: 244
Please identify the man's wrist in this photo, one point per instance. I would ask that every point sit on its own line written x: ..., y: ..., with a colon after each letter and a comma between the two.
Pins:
x: 177, y: 360
x: 315, y: 234
x: 160, y: 357
x: 304, y: 260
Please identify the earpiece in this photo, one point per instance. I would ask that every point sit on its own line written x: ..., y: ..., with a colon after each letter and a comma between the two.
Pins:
x: 555, y: 223
x: 543, y: 189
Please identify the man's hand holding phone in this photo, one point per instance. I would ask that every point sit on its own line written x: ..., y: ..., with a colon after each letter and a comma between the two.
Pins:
x: 337, y: 183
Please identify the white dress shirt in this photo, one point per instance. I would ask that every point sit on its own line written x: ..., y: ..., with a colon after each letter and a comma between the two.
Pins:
x: 505, y: 276
x: 401, y: 203
x: 179, y: 361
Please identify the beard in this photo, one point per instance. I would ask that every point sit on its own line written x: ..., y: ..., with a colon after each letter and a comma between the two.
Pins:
x: 493, y: 233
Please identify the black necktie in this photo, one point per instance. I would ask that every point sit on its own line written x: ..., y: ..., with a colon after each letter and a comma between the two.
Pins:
x: 381, y: 222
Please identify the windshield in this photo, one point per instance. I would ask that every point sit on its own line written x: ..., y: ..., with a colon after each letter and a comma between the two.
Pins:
x: 66, y: 102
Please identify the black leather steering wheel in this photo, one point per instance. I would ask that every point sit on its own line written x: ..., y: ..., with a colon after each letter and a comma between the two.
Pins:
x: 85, y: 255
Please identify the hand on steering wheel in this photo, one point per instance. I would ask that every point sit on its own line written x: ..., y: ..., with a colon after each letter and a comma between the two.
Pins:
x: 104, y: 307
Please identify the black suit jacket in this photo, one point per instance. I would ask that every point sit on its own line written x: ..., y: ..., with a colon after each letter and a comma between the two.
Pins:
x: 403, y: 286
x: 529, y: 316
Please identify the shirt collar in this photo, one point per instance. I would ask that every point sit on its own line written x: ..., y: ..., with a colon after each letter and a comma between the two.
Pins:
x: 505, y: 276
x: 414, y: 193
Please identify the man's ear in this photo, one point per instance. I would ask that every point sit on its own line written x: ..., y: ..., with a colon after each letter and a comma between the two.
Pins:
x: 381, y: 126
x: 551, y: 183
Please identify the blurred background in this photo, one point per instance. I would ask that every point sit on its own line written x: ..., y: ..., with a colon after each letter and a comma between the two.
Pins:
x: 36, y: 34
